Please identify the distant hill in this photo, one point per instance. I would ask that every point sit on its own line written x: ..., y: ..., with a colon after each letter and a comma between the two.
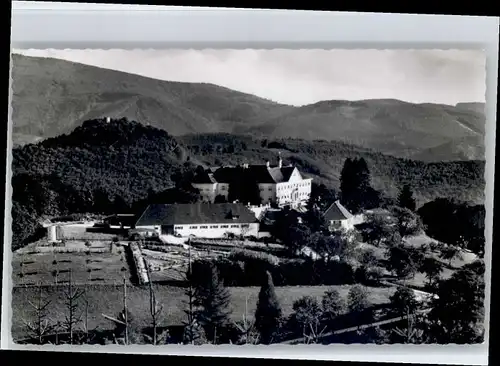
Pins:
x: 323, y: 161
x: 389, y: 126
x: 475, y: 107
x: 467, y: 148
x: 122, y: 161
x: 52, y: 96
x: 131, y: 159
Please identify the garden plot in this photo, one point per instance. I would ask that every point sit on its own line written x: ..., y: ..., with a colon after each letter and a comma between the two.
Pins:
x: 54, y: 268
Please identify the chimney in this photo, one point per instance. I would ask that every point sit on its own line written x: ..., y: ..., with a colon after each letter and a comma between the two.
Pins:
x: 108, y: 119
x: 280, y: 162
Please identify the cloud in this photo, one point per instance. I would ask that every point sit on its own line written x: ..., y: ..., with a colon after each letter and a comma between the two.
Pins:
x: 301, y: 77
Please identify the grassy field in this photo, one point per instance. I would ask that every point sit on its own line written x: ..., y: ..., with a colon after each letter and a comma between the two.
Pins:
x: 108, y: 299
x: 37, y: 268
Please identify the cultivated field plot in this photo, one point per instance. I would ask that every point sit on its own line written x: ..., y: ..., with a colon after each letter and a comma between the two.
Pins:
x: 95, y: 268
x: 171, y: 264
x: 108, y: 299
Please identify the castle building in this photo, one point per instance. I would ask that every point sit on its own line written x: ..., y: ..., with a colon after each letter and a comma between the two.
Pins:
x: 280, y: 185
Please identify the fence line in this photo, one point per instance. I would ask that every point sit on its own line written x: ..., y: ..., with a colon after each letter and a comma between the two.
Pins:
x: 358, y: 327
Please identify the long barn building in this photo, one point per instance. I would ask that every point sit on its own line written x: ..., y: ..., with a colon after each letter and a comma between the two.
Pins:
x: 202, y: 220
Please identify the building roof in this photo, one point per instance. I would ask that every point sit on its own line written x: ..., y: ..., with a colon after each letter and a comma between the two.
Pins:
x: 196, y: 213
x: 261, y: 173
x: 337, y: 212
x: 125, y: 219
x: 205, y: 178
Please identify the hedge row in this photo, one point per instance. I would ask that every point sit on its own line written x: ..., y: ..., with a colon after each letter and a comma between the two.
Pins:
x: 292, y: 272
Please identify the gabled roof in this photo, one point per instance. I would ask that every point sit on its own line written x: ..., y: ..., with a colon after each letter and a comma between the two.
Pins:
x: 280, y: 175
x: 125, y: 219
x: 337, y: 212
x: 205, y: 178
x: 196, y: 213
x: 261, y: 173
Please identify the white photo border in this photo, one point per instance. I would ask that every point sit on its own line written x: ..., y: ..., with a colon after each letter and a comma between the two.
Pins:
x: 42, y: 25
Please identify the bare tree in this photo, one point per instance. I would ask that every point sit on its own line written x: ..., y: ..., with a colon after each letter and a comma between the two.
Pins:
x: 86, y: 315
x: 411, y: 333
x: 246, y: 327
x: 193, y: 332
x: 155, y: 310
x: 21, y: 274
x: 123, y: 317
x: 55, y: 274
x: 125, y: 310
x: 314, y: 334
x: 40, y: 327
x: 71, y: 297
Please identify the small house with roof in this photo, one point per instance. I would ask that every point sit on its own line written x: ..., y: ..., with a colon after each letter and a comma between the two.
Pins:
x: 338, y: 217
x: 202, y: 220
x: 281, y: 185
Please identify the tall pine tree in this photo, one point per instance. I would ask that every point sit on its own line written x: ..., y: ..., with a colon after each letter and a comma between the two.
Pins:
x: 213, y: 299
x: 355, y: 186
x: 405, y: 198
x: 268, y: 313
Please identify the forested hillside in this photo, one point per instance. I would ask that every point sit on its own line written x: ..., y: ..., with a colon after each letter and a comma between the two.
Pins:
x: 122, y: 162
x: 323, y: 160
x: 80, y: 92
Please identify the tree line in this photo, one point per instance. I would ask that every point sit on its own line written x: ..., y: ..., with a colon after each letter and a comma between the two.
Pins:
x: 456, y: 315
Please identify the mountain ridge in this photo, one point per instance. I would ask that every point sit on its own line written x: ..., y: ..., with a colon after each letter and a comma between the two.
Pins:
x: 79, y: 92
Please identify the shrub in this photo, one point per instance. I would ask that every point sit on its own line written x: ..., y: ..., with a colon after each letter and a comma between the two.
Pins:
x: 361, y: 275
x: 246, y: 254
x: 291, y: 272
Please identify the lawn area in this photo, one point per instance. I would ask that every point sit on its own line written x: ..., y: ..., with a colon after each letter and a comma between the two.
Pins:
x: 108, y: 299
x: 39, y: 267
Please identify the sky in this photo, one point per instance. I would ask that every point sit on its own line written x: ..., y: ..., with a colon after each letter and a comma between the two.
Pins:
x: 300, y: 77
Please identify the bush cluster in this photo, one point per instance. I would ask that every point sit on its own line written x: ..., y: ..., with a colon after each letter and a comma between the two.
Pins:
x: 241, y: 270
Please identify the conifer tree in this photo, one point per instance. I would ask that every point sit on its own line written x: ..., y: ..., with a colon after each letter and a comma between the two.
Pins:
x: 355, y: 186
x: 405, y: 198
x: 268, y: 313
x: 213, y: 299
x: 193, y: 333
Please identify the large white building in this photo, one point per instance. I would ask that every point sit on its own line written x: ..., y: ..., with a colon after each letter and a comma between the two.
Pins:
x: 281, y: 185
x: 201, y: 220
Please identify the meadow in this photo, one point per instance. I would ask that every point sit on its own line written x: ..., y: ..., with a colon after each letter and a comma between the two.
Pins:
x: 108, y: 299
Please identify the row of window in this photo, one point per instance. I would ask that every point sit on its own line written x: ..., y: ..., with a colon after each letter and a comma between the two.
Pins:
x: 293, y: 185
x: 194, y: 227
x: 270, y: 189
x: 299, y: 194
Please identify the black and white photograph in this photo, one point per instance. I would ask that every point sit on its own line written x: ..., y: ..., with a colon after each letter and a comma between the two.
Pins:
x: 248, y: 197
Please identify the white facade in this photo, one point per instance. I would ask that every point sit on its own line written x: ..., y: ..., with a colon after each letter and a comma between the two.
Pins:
x: 267, y: 192
x: 295, y: 192
x: 346, y: 224
x: 206, y: 230
x: 149, y: 230
x: 208, y: 191
x: 217, y: 230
